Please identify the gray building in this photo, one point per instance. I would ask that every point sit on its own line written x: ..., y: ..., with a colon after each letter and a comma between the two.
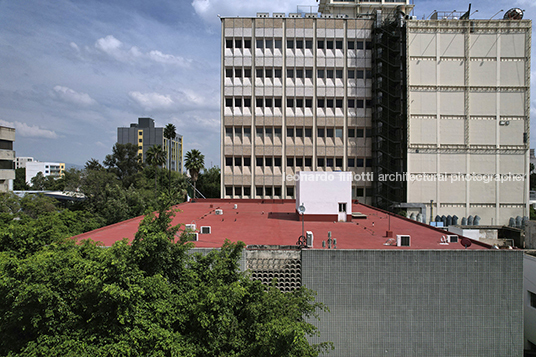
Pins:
x: 144, y: 135
x: 7, y: 157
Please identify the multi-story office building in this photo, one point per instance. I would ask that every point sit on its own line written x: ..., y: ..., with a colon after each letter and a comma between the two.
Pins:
x: 363, y: 87
x: 144, y: 135
x: 53, y: 169
x: 7, y: 155
x: 21, y: 161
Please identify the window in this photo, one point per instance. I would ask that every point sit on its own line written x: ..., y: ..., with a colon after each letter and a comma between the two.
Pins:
x: 320, y: 162
x: 238, y: 161
x: 290, y: 162
x: 247, y: 191
x: 329, y: 162
x: 368, y: 72
x: 299, y: 161
x: 329, y: 132
x: 268, y: 132
x: 351, y: 74
x: 259, y: 162
x: 259, y: 132
x: 299, y: 43
x: 259, y: 73
x: 368, y: 103
x: 320, y: 102
x: 368, y: 45
x: 238, y: 191
x: 290, y: 43
x: 290, y: 73
x: 351, y: 133
x: 247, y: 72
x: 532, y: 298
x: 308, y: 103
x: 368, y: 162
x: 351, y: 45
x: 277, y: 73
x: 329, y: 44
x: 359, y: 103
x: 351, y: 103
x: 228, y: 131
x: 338, y: 44
x: 228, y: 161
x: 247, y: 132
x: 338, y: 73
x: 268, y: 191
x: 277, y: 161
x: 277, y: 191
x: 359, y: 45
x: 290, y: 102
x: 351, y: 162
x: 338, y: 103
x: 258, y: 190
x: 247, y: 161
x: 359, y: 74
x: 238, y: 43
x: 308, y: 73
x: 228, y: 102
x: 258, y: 102
x: 290, y: 191
x: 368, y: 133
x: 238, y: 102
x: 338, y: 162
x: 320, y: 73
x: 268, y: 102
x: 342, y: 207
x: 360, y: 163
x: 309, y: 44
x: 360, y: 192
x: 299, y: 73
x: 247, y: 43
x: 269, y: 43
x: 308, y: 162
x: 238, y: 72
x: 247, y: 102
x: 238, y: 131
x: 278, y: 43
x: 320, y: 44
x: 268, y: 162
x: 299, y: 132
x: 329, y: 103
x: 308, y: 132
x: 290, y: 132
x: 329, y: 73
x: 260, y: 43
x: 139, y: 140
x: 338, y: 133
x: 229, y: 43
x: 299, y: 102
x: 320, y: 132
x: 268, y: 73
x: 228, y: 190
x: 277, y: 132
x: 229, y: 72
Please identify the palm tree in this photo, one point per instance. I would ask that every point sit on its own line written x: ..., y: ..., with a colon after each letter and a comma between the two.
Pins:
x: 156, y: 156
x: 170, y: 132
x: 195, y: 162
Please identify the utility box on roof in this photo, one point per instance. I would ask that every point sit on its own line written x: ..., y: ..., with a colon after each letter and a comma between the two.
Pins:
x: 326, y: 196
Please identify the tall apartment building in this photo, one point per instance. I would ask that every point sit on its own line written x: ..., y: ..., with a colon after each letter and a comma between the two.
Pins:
x: 21, y: 161
x: 402, y: 103
x: 144, y: 135
x: 7, y: 155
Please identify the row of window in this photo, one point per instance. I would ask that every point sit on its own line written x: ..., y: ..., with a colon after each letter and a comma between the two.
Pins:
x: 297, y: 73
x: 298, y: 132
x: 239, y: 161
x: 276, y: 191
x: 298, y: 43
x: 245, y: 102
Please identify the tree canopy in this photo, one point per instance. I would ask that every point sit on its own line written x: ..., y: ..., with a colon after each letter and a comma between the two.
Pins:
x: 151, y: 298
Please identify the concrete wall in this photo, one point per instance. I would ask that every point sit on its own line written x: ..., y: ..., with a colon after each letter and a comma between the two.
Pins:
x: 529, y: 285
x: 418, y: 303
x: 321, y: 192
x: 530, y: 235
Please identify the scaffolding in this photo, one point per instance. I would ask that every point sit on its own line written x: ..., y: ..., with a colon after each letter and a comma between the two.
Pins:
x: 389, y: 148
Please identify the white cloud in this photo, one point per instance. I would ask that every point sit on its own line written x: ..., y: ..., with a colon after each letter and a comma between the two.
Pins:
x: 114, y: 48
x: 152, y: 101
x: 26, y: 130
x: 70, y: 96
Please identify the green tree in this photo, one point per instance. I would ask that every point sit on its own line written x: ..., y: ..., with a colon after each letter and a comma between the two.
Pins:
x: 156, y: 156
x: 170, y: 133
x: 19, y: 184
x: 208, y: 182
x: 124, y: 162
x: 39, y: 182
x: 195, y: 162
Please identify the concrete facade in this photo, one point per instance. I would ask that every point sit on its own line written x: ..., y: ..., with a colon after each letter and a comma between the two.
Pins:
x: 54, y: 169
x: 20, y: 161
x: 144, y: 135
x: 529, y: 300
x: 7, y: 155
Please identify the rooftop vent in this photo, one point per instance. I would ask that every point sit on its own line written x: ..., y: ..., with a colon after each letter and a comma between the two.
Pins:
x: 326, y: 16
x: 262, y: 14
x: 205, y: 230
x: 294, y: 15
x: 309, y: 238
x: 309, y: 15
x: 452, y: 238
x: 342, y: 16
x: 402, y: 241
x: 219, y: 212
x: 279, y: 14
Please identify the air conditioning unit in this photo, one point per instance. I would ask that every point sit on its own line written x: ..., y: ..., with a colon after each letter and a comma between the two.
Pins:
x: 204, y: 230
x: 309, y: 238
x: 219, y: 212
x: 452, y: 238
x: 402, y: 240
x: 189, y: 227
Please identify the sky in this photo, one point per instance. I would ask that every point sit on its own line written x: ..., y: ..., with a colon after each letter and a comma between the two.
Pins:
x: 72, y: 71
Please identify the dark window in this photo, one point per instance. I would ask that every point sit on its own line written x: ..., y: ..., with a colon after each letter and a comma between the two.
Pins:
x: 320, y: 44
x: 268, y: 161
x: 229, y: 43
x: 329, y: 44
x: 268, y: 73
x: 260, y: 43
x: 228, y: 102
x: 277, y: 161
x: 308, y: 73
x: 277, y: 132
x: 351, y: 103
x: 368, y: 133
x: 329, y: 132
x: 308, y: 132
x: 329, y: 103
x: 309, y: 44
x: 359, y: 103
x: 229, y: 190
x: 238, y: 161
x: 278, y: 43
x: 238, y: 43
x: 269, y: 43
x: 247, y: 161
x: 320, y: 132
x: 277, y: 191
x: 247, y: 43
x: 290, y: 132
x: 308, y: 162
x: 342, y: 207
x: 247, y: 102
x: 338, y: 73
x: 359, y: 74
x: 258, y: 190
x: 338, y: 103
x: 351, y: 133
x: 299, y: 73
x: 368, y: 72
x: 338, y: 44
x: 320, y: 162
x: 299, y: 132
x: 259, y: 73
x: 360, y: 192
x: 338, y: 162
x: 229, y: 131
x: 238, y: 102
x: 258, y: 102
x: 351, y: 74
x: 360, y: 162
x: 299, y: 161
x: 368, y: 103
x: 359, y: 45
x: 238, y: 72
x: 268, y: 102
x: 247, y: 72
x: 532, y: 299
x: 238, y: 191
x: 368, y: 45
x: 259, y: 131
x: 277, y: 102
x: 320, y: 73
x: 308, y: 103
x: 238, y: 131
x: 277, y: 73
x: 329, y: 162
x: 320, y: 102
x: 351, y: 45
x: 228, y: 161
x: 247, y: 191
x: 290, y: 43
x: 351, y: 162
x: 329, y: 73
x: 299, y: 43
x: 290, y: 191
x: 139, y: 140
x: 290, y: 73
x: 259, y: 162
x: 268, y: 191
x: 229, y: 72
x: 290, y: 162
x: 299, y: 102
x: 268, y: 131
x: 290, y: 102
x: 368, y: 162
x: 247, y: 130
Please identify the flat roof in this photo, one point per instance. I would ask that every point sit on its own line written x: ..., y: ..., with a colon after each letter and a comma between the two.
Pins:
x: 276, y: 223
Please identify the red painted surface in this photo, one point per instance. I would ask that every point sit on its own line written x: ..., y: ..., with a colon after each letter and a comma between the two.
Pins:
x: 275, y: 222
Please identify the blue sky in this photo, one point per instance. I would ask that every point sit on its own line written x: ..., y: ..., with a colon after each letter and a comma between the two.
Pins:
x: 73, y: 71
